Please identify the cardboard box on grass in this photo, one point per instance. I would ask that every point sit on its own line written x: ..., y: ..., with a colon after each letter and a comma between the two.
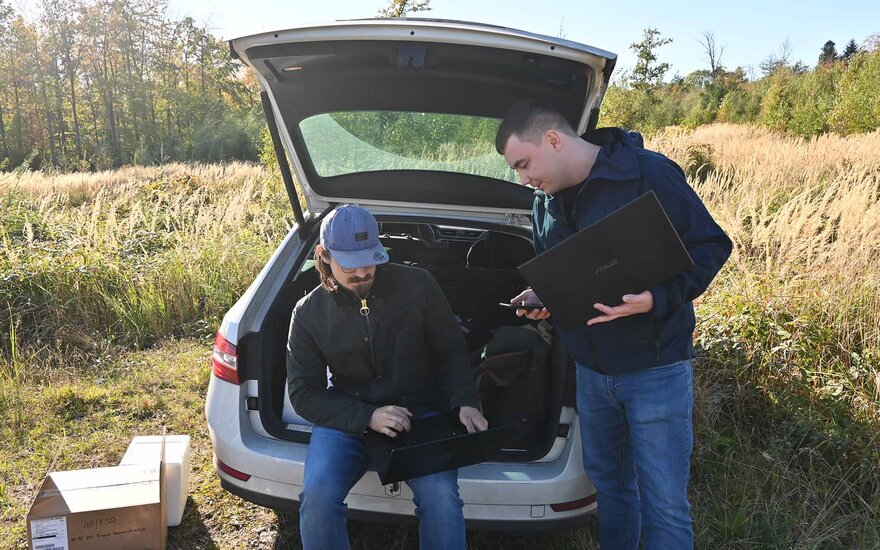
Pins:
x: 101, y: 508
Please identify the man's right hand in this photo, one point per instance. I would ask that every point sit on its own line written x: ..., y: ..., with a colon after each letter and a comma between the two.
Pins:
x: 390, y: 420
x: 528, y: 296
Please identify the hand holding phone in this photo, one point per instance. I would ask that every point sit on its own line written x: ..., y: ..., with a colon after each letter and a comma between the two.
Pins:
x: 527, y: 307
x: 527, y: 304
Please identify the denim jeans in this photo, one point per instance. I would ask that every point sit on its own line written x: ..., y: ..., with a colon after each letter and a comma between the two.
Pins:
x: 637, y: 438
x: 335, y: 461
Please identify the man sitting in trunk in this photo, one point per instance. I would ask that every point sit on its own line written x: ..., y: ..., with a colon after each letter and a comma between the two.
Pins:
x: 395, y: 353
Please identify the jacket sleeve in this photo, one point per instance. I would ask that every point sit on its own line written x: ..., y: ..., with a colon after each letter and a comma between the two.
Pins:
x: 449, y: 348
x: 307, y: 384
x: 707, y: 244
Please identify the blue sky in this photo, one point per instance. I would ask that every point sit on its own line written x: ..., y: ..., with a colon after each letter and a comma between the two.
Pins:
x: 750, y: 30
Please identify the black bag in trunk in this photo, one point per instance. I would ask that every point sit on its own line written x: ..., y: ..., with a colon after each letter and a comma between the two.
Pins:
x: 512, y: 376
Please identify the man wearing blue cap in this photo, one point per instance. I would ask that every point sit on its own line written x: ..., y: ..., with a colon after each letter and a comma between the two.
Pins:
x: 395, y: 352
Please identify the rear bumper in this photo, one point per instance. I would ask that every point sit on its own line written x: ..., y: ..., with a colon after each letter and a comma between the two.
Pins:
x: 508, y: 496
x: 531, y: 525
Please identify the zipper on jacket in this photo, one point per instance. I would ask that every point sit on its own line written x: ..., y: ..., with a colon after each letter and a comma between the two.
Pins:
x: 574, y: 211
x: 365, y: 312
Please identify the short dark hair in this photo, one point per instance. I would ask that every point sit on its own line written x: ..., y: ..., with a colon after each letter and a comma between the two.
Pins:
x: 529, y: 119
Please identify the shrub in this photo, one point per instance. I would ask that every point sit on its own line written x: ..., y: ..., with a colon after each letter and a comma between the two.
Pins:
x: 858, y: 108
x: 227, y: 137
x: 816, y: 93
x: 778, y: 104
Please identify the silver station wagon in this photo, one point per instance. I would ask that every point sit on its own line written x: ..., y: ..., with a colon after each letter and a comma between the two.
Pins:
x: 400, y: 116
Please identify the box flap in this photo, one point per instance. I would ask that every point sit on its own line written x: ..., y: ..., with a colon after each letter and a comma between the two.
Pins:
x: 99, y: 488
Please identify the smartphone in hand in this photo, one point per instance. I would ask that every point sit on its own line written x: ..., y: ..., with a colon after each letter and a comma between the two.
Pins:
x: 527, y: 307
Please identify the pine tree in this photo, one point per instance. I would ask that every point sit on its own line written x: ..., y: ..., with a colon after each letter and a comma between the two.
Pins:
x: 829, y: 53
x: 648, y: 74
x: 850, y: 50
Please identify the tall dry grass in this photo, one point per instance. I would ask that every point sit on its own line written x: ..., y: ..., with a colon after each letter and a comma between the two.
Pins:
x: 805, y: 219
x: 795, y: 208
x: 788, y: 393
x: 93, y: 261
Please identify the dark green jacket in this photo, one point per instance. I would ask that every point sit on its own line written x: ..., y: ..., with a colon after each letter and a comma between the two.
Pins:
x: 409, y: 351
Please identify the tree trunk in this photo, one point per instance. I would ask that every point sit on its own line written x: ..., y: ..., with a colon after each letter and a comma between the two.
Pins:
x: 4, y: 150
x: 133, y: 113
x: 77, y: 137
x: 110, y: 115
x: 47, y: 108
x: 16, y: 113
x: 57, y: 85
x: 94, y: 108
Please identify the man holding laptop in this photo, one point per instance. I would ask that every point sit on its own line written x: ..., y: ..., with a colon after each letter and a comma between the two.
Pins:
x: 395, y: 353
x: 634, y: 372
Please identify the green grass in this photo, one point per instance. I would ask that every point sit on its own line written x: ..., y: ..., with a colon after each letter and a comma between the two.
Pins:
x: 748, y: 490
x: 88, y: 420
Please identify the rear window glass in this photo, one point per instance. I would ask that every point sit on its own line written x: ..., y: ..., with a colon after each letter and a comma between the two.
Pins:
x: 365, y: 141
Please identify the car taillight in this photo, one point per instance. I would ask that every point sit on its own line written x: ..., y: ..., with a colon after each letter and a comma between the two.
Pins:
x: 224, y: 360
x: 573, y: 505
x: 230, y: 470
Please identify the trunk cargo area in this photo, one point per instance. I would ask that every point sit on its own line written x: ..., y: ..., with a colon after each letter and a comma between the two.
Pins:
x: 476, y: 268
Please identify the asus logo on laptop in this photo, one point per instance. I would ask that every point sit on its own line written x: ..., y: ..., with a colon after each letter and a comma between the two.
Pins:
x: 606, y: 267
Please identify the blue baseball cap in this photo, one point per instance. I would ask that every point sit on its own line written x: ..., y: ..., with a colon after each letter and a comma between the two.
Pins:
x: 351, y: 235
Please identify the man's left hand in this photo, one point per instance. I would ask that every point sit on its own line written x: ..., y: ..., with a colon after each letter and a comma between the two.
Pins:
x: 472, y: 419
x: 632, y: 304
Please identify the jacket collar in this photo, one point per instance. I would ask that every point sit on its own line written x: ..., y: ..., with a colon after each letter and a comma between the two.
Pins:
x: 618, y: 158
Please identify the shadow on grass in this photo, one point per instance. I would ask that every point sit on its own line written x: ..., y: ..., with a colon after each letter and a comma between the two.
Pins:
x: 369, y: 536
x: 362, y: 536
x: 288, y: 531
x: 192, y: 533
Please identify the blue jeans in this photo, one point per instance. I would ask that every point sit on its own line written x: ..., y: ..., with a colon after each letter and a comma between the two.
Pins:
x: 637, y: 438
x: 335, y: 461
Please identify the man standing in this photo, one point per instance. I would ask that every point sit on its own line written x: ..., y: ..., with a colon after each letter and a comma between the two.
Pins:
x: 634, y: 372
x: 394, y: 351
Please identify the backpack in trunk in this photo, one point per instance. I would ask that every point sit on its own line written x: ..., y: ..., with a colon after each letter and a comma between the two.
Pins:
x: 512, y: 376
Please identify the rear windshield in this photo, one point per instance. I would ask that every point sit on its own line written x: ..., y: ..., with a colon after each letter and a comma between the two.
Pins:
x: 366, y: 141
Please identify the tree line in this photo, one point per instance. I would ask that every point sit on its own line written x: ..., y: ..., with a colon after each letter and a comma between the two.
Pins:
x: 840, y: 94
x: 94, y: 84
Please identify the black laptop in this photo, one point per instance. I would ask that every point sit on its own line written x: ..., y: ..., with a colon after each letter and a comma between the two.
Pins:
x: 628, y: 251
x: 434, y: 444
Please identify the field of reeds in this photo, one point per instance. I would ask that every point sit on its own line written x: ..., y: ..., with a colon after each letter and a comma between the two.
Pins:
x: 112, y: 284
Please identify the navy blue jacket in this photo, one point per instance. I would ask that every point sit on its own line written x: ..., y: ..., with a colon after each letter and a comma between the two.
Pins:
x: 624, y: 170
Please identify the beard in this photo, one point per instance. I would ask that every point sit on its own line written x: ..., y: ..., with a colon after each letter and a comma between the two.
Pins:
x: 360, y: 285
